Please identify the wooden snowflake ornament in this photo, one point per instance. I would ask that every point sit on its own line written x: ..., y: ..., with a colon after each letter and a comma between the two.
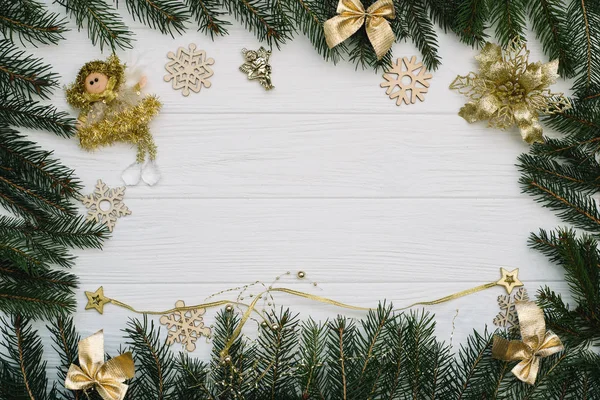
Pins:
x: 189, y: 69
x: 105, y: 205
x: 185, y: 326
x: 507, y: 317
x: 406, y: 81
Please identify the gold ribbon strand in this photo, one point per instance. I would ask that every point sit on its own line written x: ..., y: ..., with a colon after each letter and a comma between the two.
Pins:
x: 96, y: 300
x: 352, y: 16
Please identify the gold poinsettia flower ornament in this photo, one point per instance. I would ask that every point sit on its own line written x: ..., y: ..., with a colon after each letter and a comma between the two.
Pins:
x: 508, y: 90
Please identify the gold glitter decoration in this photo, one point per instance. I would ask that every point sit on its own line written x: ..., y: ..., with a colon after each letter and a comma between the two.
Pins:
x: 189, y: 69
x: 256, y: 66
x: 113, y: 201
x: 116, y: 114
x: 185, y: 326
x: 301, y: 274
x: 409, y: 92
x: 508, y: 90
x: 507, y: 317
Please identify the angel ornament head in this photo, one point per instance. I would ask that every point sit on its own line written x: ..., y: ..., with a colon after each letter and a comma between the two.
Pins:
x: 256, y: 66
x: 111, y: 112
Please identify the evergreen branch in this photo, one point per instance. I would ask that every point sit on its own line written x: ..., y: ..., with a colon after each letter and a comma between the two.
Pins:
x: 23, y: 75
x: 443, y: 12
x: 584, y: 24
x: 421, y: 31
x: 165, y: 15
x: 470, y: 22
x: 549, y: 22
x: 22, y: 358
x: 509, y: 18
x: 104, y: 25
x: 362, y: 53
x: 191, y: 384
x: 155, y: 364
x: 572, y: 206
x: 262, y: 18
x: 31, y: 114
x: 309, y: 16
x: 208, y: 16
x: 26, y: 160
x: 30, y: 21
x: 66, y: 340
x: 311, y: 369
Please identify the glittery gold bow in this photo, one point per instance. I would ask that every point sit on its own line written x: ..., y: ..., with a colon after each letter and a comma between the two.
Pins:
x: 352, y: 15
x: 106, y: 377
x: 508, y: 90
x: 536, y: 343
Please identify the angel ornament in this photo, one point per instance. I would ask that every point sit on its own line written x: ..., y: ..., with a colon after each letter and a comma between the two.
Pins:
x: 256, y: 66
x: 111, y: 112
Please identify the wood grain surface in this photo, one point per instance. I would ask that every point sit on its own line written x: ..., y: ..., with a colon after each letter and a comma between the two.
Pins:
x: 323, y: 174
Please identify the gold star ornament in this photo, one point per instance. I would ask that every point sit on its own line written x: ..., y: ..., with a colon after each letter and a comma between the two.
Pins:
x: 509, y: 280
x: 96, y: 300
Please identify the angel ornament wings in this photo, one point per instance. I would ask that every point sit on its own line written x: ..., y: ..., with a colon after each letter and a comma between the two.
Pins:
x: 256, y: 66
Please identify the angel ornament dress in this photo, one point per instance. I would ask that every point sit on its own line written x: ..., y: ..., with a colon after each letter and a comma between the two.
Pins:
x: 112, y: 112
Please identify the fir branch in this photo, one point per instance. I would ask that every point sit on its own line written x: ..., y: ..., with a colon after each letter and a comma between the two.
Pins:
x: 66, y: 340
x: 192, y: 377
x: 470, y: 22
x: 31, y: 22
x: 549, y: 22
x: 104, y: 25
x: 208, y: 16
x: 571, y: 205
x: 26, y: 160
x: 155, y: 364
x: 275, y: 357
x: 580, y: 258
x: 421, y: 31
x: 309, y: 16
x: 31, y: 114
x: 261, y: 17
x: 22, y: 359
x: 342, y: 350
x: 362, y: 54
x: 43, y: 295
x: 311, y: 369
x: 509, y: 18
x: 584, y: 24
x: 23, y: 75
x: 167, y: 16
x: 443, y: 12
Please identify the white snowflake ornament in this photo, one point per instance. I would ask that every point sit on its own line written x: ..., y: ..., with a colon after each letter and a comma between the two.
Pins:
x: 507, y: 317
x: 189, y: 69
x: 185, y: 327
x: 105, y: 205
x: 406, y: 81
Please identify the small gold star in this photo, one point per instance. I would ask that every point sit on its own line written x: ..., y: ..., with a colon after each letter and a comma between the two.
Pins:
x: 96, y: 300
x: 509, y: 280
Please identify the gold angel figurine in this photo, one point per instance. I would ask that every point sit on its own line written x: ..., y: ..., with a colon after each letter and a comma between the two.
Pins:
x: 112, y: 112
x: 256, y: 66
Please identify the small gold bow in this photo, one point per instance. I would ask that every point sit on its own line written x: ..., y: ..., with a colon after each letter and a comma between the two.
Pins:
x: 536, y: 343
x: 352, y: 15
x: 106, y: 377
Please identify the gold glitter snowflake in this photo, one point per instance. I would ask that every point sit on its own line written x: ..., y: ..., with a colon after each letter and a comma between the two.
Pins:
x: 410, y: 78
x: 105, y: 205
x: 185, y: 327
x: 507, y: 317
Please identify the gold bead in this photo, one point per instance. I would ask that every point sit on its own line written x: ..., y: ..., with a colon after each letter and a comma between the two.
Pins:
x: 227, y: 359
x: 301, y: 274
x: 275, y: 327
x: 264, y: 324
x: 229, y: 308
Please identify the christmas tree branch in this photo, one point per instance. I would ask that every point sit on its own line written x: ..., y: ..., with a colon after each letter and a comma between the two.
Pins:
x: 31, y: 22
x: 208, y: 16
x: 168, y: 16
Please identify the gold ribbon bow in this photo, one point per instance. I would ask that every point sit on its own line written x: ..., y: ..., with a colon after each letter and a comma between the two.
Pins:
x: 352, y: 15
x: 106, y: 377
x: 536, y: 343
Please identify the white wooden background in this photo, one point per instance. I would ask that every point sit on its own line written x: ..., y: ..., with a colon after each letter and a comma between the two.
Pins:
x: 323, y: 174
